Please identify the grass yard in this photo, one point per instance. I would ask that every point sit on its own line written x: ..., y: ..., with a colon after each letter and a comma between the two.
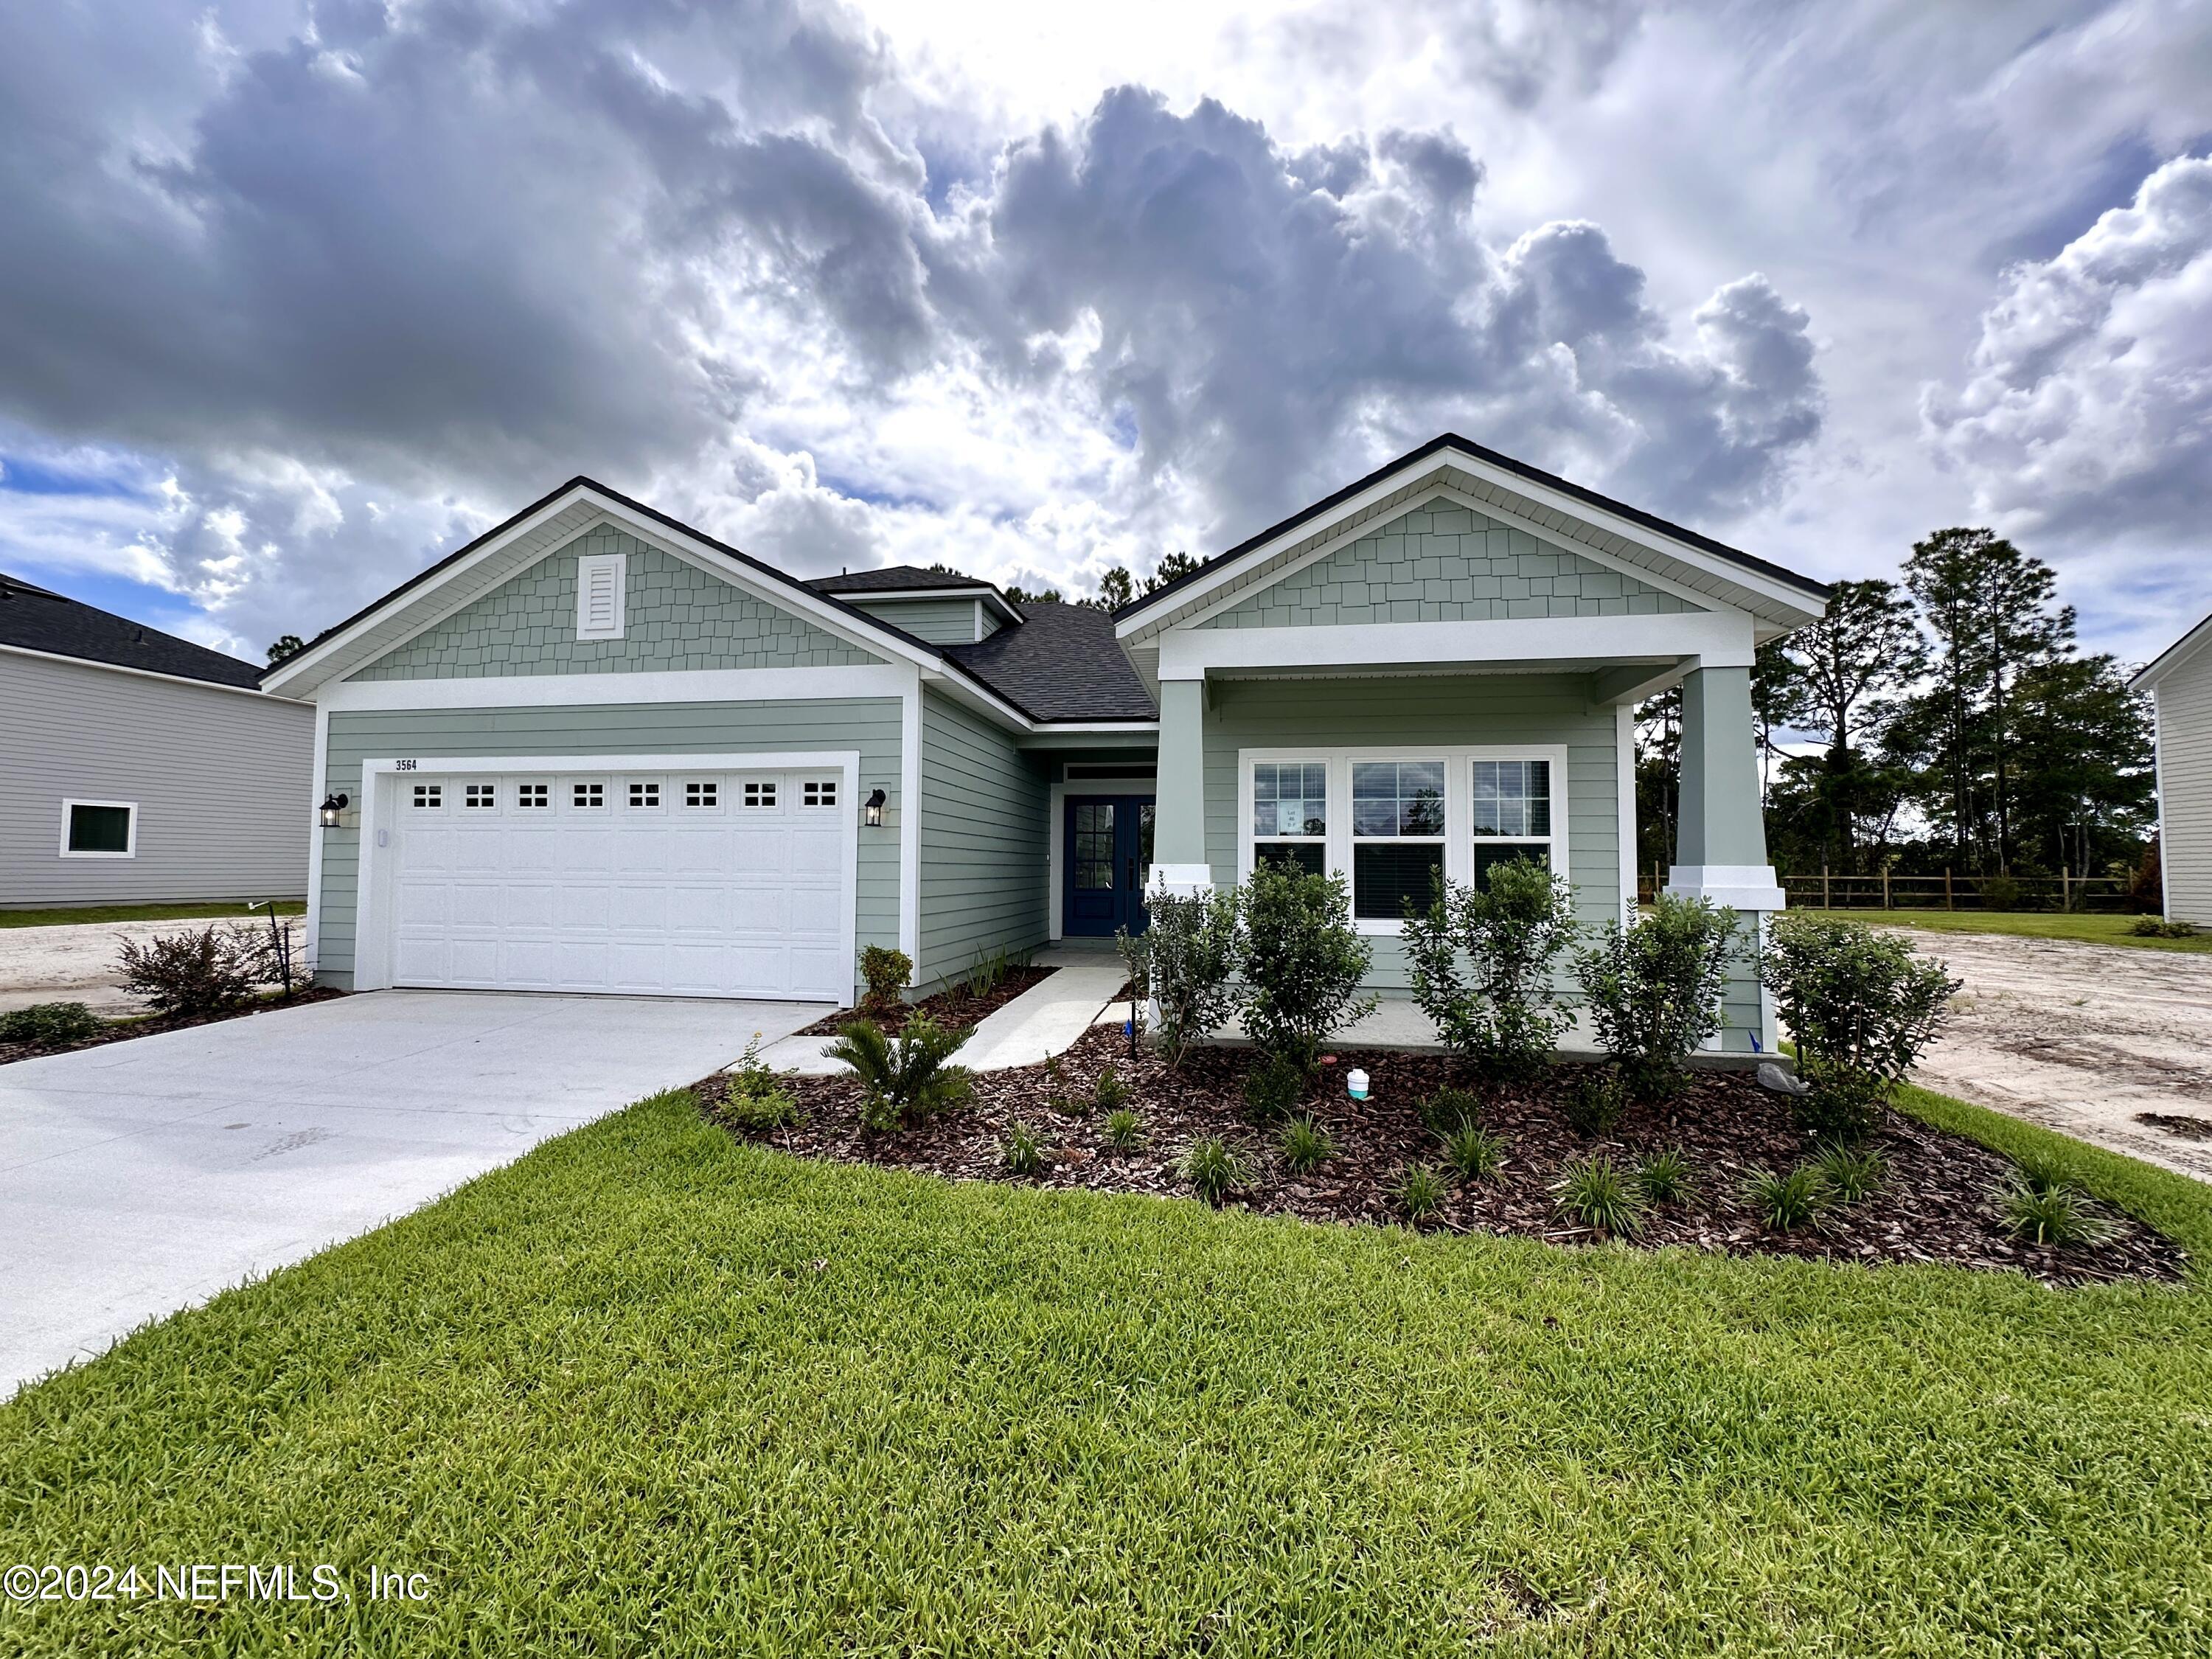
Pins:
x: 651, y: 1390
x: 2094, y: 929
x: 213, y: 909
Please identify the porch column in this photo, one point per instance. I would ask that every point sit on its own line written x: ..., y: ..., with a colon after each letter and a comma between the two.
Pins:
x: 1721, y: 841
x: 1179, y: 863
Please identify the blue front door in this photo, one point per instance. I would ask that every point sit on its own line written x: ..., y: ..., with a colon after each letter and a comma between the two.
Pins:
x: 1109, y: 843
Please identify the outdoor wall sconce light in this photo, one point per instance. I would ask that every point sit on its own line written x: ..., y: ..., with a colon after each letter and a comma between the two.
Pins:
x: 332, y: 806
x: 873, y: 813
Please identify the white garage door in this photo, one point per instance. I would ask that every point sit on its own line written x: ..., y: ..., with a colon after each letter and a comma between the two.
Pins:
x: 669, y: 884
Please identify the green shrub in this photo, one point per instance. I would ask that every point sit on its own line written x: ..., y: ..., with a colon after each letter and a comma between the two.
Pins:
x: 1481, y: 960
x: 1187, y: 963
x: 1597, y: 1096
x: 2057, y: 1213
x: 1786, y: 1202
x: 2159, y: 927
x: 1109, y: 1092
x: 181, y: 974
x: 885, y: 972
x: 1449, y: 1109
x: 1420, y: 1193
x: 1597, y: 1193
x: 1303, y: 961
x: 756, y: 1100
x: 905, y: 1078
x: 1271, y: 1088
x: 1654, y: 989
x: 1999, y: 893
x: 1851, y: 1170
x: 1305, y: 1145
x: 1862, y: 1006
x: 47, y: 1024
x: 1214, y: 1168
x: 1123, y: 1131
x: 1021, y: 1150
x: 1664, y: 1177
x: 1473, y: 1153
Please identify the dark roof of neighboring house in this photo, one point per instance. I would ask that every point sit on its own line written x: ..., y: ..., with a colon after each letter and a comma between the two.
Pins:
x: 37, y: 620
x: 1534, y: 475
x: 1062, y: 663
x: 891, y: 578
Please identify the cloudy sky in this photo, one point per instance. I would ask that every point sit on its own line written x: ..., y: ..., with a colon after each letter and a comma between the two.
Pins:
x: 296, y: 298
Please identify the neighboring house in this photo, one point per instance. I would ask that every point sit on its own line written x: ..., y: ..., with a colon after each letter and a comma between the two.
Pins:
x: 2180, y: 683
x: 596, y: 750
x: 140, y: 766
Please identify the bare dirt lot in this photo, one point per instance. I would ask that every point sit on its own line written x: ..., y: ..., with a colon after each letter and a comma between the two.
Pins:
x: 2086, y: 1038
x: 80, y: 962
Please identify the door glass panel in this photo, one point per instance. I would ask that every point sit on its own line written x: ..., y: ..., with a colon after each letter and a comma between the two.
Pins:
x: 1094, y: 845
x: 1144, y: 839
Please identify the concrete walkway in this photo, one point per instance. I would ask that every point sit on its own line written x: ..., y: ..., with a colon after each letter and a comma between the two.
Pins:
x: 144, y: 1176
x: 1045, y: 1020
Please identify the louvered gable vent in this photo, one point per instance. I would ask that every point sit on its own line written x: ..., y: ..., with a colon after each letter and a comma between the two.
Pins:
x: 599, y: 582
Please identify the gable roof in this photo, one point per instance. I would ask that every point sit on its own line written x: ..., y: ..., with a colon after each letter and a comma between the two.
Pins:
x: 894, y: 577
x: 2174, y: 656
x: 1062, y: 663
x: 35, y: 618
x: 1449, y: 444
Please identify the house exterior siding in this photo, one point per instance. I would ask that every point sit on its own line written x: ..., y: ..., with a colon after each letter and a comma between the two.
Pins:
x: 2185, y: 787
x: 675, y: 617
x: 941, y: 622
x: 1442, y: 562
x: 984, y: 842
x: 870, y: 725
x: 222, y: 781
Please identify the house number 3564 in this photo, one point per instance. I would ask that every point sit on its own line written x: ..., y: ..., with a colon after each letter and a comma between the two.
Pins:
x: 404, y: 766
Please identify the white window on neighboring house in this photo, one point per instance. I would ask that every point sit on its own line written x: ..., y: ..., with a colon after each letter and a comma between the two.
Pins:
x: 1397, y: 835
x: 1512, y: 813
x: 1290, y: 813
x: 601, y: 580
x: 99, y: 829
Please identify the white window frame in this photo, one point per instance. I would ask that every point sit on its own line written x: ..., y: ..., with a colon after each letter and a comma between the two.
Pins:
x: 1458, y: 805
x: 131, y: 837
x: 589, y: 570
x: 1552, y: 840
x: 803, y: 804
x: 1250, y: 803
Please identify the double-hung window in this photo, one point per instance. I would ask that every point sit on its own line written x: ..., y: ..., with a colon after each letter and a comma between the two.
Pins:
x: 1397, y: 835
x: 1512, y: 815
x: 1290, y: 813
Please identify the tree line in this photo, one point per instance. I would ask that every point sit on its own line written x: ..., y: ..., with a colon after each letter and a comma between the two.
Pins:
x: 1958, y: 727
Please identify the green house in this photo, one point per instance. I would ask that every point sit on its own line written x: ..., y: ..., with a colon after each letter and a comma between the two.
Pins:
x: 596, y: 750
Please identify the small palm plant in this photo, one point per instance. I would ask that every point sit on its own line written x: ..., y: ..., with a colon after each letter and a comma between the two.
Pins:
x: 1420, y: 1193
x: 1599, y: 1193
x: 1473, y: 1152
x: 905, y: 1078
x: 1214, y: 1168
x: 1305, y: 1145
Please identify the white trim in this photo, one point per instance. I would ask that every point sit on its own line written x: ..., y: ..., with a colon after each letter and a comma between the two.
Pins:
x: 1056, y: 837
x: 589, y: 568
x: 1458, y: 805
x: 150, y: 674
x: 1739, y: 886
x: 373, y: 919
x: 648, y: 686
x: 1720, y: 639
x: 979, y: 622
x: 131, y: 836
x: 1624, y: 745
x: 2158, y: 788
x: 2148, y: 677
x: 316, y: 794
x: 909, y: 823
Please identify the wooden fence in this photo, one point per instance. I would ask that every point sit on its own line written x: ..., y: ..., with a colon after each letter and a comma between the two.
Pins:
x: 1824, y: 889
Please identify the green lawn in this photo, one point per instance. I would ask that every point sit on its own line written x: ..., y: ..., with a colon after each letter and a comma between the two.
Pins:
x: 71, y: 914
x: 2030, y: 924
x: 648, y: 1391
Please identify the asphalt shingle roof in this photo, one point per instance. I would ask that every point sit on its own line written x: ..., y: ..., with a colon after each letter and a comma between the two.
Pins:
x: 892, y: 578
x: 1063, y: 663
x: 37, y: 620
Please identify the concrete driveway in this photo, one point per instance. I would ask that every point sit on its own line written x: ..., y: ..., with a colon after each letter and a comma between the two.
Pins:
x: 146, y: 1175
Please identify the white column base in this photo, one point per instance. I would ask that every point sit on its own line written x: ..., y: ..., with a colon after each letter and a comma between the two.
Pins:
x: 1739, y: 886
x: 1180, y: 880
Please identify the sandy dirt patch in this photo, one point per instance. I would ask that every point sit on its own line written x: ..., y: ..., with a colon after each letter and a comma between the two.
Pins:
x: 79, y: 963
x: 2084, y: 1038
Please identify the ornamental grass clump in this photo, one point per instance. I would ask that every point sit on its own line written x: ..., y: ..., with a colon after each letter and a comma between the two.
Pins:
x: 1851, y: 1169
x: 2053, y: 1212
x: 1421, y: 1194
x: 1783, y: 1203
x: 1214, y: 1168
x: 1123, y: 1131
x: 1664, y: 1177
x: 1482, y: 961
x: 905, y: 1079
x: 1473, y: 1153
x: 1599, y: 1193
x: 1654, y: 989
x: 1021, y: 1152
x: 1305, y: 1145
x: 1862, y: 1006
x: 1303, y: 963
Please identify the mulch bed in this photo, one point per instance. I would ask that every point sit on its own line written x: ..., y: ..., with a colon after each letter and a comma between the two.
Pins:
x: 122, y: 1031
x: 951, y: 1009
x: 1936, y: 1204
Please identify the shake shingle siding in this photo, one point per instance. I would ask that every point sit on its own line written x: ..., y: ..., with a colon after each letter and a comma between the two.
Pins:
x: 984, y: 841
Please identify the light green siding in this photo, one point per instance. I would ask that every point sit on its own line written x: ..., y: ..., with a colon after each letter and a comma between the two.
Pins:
x: 1380, y: 713
x: 869, y: 726
x: 675, y: 616
x: 984, y: 842
x: 1443, y: 563
x: 941, y: 622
